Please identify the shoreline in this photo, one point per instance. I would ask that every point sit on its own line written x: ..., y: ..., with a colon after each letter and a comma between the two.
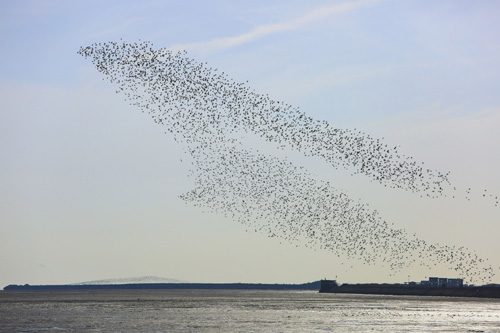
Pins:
x: 194, y: 286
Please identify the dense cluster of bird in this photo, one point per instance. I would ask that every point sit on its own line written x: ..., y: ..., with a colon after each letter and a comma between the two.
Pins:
x: 209, y: 112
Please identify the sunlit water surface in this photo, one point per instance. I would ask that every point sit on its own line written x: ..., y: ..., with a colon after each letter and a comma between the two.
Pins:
x: 241, y: 311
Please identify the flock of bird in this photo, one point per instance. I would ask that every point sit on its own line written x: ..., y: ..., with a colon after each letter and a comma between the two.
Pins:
x: 209, y: 113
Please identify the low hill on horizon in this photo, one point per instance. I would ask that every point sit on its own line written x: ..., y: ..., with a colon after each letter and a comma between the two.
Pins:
x: 130, y: 280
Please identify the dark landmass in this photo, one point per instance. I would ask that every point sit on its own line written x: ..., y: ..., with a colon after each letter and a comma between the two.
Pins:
x: 249, y: 286
x: 328, y: 286
x: 324, y: 286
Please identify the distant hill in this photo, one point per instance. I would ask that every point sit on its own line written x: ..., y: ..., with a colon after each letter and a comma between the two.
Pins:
x: 131, y: 280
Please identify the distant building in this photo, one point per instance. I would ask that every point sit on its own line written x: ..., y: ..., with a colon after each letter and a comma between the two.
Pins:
x: 455, y: 283
x: 434, y: 281
x: 328, y: 286
x: 443, y: 282
x: 437, y: 282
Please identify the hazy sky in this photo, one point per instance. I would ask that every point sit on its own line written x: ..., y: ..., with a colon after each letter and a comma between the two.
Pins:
x: 89, y: 185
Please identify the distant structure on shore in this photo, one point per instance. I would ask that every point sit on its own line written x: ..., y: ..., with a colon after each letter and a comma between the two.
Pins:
x: 328, y: 286
x: 438, y: 282
x: 435, y: 286
x: 433, y: 282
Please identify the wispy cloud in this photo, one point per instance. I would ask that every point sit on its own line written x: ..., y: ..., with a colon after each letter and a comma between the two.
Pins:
x: 268, y: 29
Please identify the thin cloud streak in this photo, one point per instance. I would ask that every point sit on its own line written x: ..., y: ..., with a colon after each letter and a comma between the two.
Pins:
x: 268, y: 29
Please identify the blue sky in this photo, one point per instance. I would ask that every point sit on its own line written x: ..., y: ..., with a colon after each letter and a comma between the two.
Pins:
x: 89, y: 185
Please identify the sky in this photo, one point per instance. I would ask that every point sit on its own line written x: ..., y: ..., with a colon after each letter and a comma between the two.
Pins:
x: 90, y: 186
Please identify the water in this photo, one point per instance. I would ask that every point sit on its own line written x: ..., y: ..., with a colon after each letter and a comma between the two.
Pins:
x: 241, y: 311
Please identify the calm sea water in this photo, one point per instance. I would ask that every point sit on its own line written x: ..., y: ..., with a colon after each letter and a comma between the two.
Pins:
x: 241, y: 311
